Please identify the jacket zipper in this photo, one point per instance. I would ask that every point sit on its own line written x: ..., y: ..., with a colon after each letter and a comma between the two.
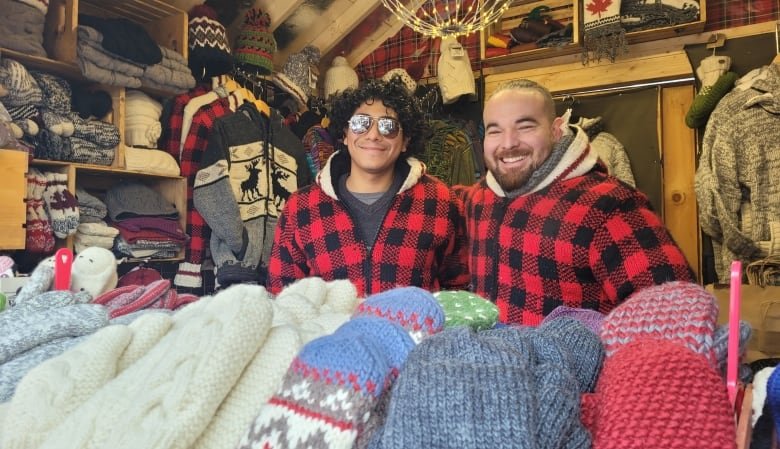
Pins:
x: 367, y: 265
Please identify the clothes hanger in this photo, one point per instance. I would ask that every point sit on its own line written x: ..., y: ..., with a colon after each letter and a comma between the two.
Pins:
x: 776, y: 60
x: 256, y: 101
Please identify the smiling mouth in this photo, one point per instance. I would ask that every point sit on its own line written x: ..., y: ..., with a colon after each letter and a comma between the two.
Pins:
x: 513, y: 159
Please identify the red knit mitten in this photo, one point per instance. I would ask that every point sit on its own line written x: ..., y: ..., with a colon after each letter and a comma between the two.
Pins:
x: 39, y: 235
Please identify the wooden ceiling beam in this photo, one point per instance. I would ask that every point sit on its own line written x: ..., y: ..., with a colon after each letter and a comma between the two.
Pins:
x: 278, y: 10
x: 339, y: 14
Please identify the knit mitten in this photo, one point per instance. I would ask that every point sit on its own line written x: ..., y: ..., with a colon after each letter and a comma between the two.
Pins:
x: 680, y: 312
x: 56, y: 123
x: 61, y: 204
x: 720, y: 345
x: 462, y: 308
x: 39, y: 235
x: 326, y: 395
x: 415, y: 309
x: 40, y: 281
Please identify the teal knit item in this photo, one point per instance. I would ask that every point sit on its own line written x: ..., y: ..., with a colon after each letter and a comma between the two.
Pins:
x: 462, y: 308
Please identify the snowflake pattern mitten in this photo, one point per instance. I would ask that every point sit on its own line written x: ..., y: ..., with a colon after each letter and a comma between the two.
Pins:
x: 39, y: 235
x: 462, y: 308
x: 62, y: 205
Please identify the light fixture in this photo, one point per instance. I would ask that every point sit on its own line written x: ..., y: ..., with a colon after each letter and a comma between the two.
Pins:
x: 448, y: 17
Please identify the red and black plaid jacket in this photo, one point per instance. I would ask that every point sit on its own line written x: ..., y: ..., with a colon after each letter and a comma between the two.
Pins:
x: 583, y: 239
x: 421, y: 241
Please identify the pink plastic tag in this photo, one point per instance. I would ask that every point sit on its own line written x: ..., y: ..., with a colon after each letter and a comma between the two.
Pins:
x: 63, y: 259
x: 733, y: 348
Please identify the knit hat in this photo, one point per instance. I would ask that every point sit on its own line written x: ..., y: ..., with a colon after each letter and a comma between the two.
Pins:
x: 56, y: 92
x: 655, y: 393
x: 454, y: 71
x: 707, y: 99
x: 582, y: 344
x: 462, y: 308
x: 340, y: 77
x: 590, y: 318
x: 131, y: 298
x: 681, y: 312
x: 773, y: 397
x: 94, y: 271
x: 134, y: 199
x: 326, y: 395
x: 142, y: 121
x: 406, y: 79
x: 21, y: 86
x: 604, y: 35
x: 296, y: 77
x: 414, y: 308
x: 209, y: 50
x: 256, y: 45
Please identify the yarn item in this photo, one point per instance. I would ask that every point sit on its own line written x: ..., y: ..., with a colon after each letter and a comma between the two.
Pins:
x: 326, y: 395
x: 604, y: 35
x: 454, y: 72
x: 61, y: 205
x: 134, y: 199
x: 406, y: 79
x: 584, y: 346
x: 296, y: 77
x: 656, y: 393
x: 56, y: 92
x: 39, y: 236
x: 21, y: 86
x: 340, y: 77
x: 707, y: 99
x: 94, y: 271
x: 681, y: 312
x: 209, y: 49
x: 256, y: 45
x: 463, y: 308
x: 590, y: 318
x: 413, y: 308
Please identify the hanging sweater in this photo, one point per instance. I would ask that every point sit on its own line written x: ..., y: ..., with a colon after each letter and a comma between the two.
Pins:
x: 579, y: 239
x: 736, y: 184
x: 448, y: 154
x: 248, y: 173
x: 421, y: 241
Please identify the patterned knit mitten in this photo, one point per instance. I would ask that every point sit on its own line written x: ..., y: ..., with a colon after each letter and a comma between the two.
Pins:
x: 415, y: 309
x: 326, y: 395
x: 39, y: 236
x: 62, y: 205
x: 462, y: 308
x: 56, y: 123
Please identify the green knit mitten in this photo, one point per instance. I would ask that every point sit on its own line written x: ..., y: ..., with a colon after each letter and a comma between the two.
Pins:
x: 462, y: 308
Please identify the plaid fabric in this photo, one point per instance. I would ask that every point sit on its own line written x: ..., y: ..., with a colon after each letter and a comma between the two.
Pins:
x: 170, y: 139
x: 421, y: 241
x: 408, y: 48
x: 194, y: 147
x: 584, y: 242
x: 732, y: 13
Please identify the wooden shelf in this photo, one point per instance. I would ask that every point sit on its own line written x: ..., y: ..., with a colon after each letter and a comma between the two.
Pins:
x: 13, y: 167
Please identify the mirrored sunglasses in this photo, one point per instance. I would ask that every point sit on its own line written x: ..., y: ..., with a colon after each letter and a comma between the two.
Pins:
x: 387, y: 126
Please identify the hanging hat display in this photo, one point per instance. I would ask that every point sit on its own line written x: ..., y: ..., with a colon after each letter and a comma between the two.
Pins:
x: 208, y: 44
x: 255, y: 46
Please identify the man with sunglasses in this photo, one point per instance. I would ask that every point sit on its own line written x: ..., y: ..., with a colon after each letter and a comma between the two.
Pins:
x: 548, y: 226
x: 373, y: 216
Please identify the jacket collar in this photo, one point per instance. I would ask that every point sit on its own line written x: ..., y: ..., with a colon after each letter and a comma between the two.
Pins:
x: 339, y: 163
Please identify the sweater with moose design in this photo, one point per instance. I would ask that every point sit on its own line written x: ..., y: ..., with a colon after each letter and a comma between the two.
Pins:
x: 249, y: 169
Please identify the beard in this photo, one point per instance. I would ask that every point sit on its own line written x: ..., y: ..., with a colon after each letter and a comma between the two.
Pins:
x: 511, y: 179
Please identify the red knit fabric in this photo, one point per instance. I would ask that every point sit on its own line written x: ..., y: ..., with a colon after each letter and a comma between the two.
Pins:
x: 656, y: 394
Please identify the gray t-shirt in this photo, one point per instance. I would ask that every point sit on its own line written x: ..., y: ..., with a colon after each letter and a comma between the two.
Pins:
x: 368, y: 209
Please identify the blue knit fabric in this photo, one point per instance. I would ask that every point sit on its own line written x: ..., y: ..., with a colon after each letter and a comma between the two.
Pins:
x: 773, y: 397
x: 414, y: 308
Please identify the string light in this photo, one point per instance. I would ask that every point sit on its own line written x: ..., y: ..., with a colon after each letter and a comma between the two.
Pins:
x: 448, y: 17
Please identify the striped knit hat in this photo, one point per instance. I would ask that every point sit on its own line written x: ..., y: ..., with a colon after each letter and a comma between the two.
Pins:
x: 256, y: 45
x: 208, y: 44
x: 414, y: 308
x: 680, y: 312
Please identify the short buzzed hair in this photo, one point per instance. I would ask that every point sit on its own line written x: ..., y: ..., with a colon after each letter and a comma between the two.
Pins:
x: 524, y: 84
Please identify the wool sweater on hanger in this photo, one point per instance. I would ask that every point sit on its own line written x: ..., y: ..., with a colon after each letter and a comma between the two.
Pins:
x: 579, y: 239
x: 246, y: 177
x: 421, y: 241
x: 736, y: 184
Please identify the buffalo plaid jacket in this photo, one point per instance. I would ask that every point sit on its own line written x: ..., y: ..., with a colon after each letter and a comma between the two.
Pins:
x: 581, y: 239
x: 421, y: 241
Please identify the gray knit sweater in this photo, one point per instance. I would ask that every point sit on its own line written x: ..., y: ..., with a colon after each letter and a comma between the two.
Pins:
x: 738, y: 178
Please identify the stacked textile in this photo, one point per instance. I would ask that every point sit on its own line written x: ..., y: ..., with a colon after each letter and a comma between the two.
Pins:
x: 22, y: 24
x: 91, y: 209
x: 147, y: 223
x: 94, y: 234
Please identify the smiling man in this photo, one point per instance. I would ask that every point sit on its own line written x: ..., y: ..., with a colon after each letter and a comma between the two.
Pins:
x: 373, y: 217
x: 548, y: 226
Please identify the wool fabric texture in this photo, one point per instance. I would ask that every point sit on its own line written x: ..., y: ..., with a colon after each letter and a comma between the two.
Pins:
x: 773, y: 397
x: 148, y: 329
x: 603, y: 33
x: 414, y: 308
x: 56, y: 387
x: 186, y: 375
x: 94, y: 271
x: 209, y: 49
x: 134, y: 199
x: 463, y: 308
x: 21, y: 86
x: 340, y: 77
x: 260, y: 379
x: 40, y: 5
x: 142, y: 124
x: 125, y: 38
x: 131, y: 298
x: 295, y: 77
x: 256, y: 45
x: 454, y: 74
x: 326, y: 395
x: 62, y: 206
x: 592, y: 319
x: 657, y: 393
x: 681, y: 312
x: 39, y: 236
x: 707, y: 98
x: 57, y: 93
x: 583, y: 345
x: 403, y: 75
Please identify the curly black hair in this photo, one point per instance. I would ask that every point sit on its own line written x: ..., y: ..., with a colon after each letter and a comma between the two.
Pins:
x: 392, y: 94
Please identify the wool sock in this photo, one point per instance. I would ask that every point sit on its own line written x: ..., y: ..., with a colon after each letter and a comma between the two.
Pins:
x: 462, y: 308
x: 415, y: 309
x: 326, y: 395
x: 39, y: 236
x: 62, y: 205
x: 680, y: 312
